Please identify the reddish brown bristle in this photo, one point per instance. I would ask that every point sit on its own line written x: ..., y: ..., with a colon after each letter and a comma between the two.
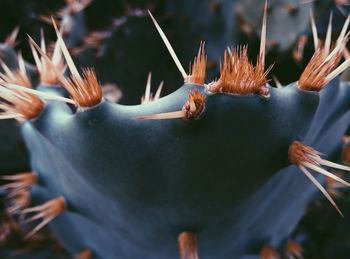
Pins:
x: 306, y: 158
x: 195, y: 105
x: 18, y: 76
x: 299, y: 153
x: 322, y: 67
x: 85, y: 90
x: 239, y: 76
x: 48, y: 76
x: 20, y: 104
x: 314, y: 76
x: 18, y: 181
x: 18, y: 201
x: 188, y: 247
x: 294, y: 250
x: 198, y: 69
x: 267, y: 252
x: 47, y: 212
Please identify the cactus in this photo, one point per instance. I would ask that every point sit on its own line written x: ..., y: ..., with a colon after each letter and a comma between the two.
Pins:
x: 294, y: 14
x: 213, y: 170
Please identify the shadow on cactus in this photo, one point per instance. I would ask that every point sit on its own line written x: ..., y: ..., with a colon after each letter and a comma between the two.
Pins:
x: 214, y: 170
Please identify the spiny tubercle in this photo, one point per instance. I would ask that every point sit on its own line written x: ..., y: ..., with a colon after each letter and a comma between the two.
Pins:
x: 85, y: 90
x: 191, y: 110
x: 239, y: 76
x: 315, y: 73
x: 300, y: 153
x: 195, y: 105
x: 20, y: 104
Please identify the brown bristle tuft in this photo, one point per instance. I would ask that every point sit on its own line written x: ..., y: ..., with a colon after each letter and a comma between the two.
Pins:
x: 239, y: 76
x: 294, y: 250
x: 299, y: 153
x: 85, y: 90
x: 314, y: 76
x: 267, y: 252
x: 192, y: 109
x: 48, y: 76
x: 322, y: 68
x: 18, y: 182
x: 19, y: 105
x: 18, y: 76
x: 17, y: 201
x: 198, y: 69
x: 195, y: 105
x: 47, y: 212
x: 16, y: 189
x: 188, y: 247
x: 306, y: 157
